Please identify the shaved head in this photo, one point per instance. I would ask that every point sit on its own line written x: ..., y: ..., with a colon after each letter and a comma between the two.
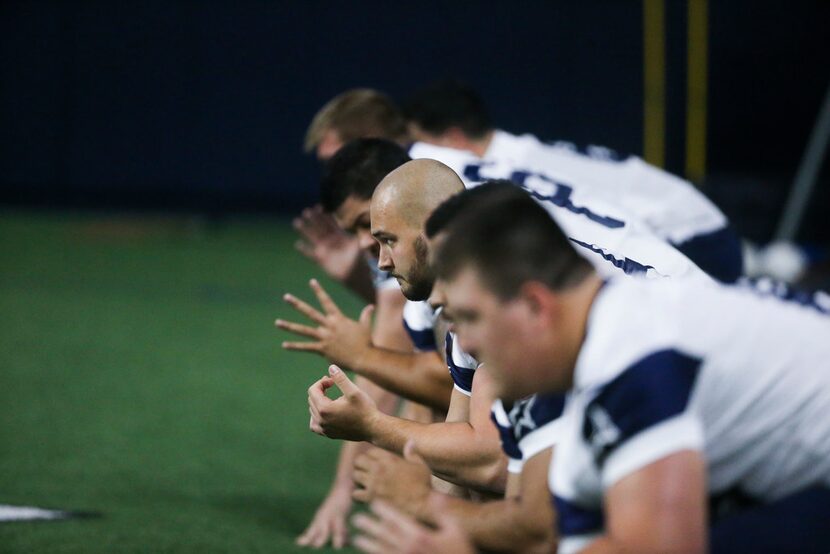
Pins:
x: 416, y: 188
x: 401, y: 204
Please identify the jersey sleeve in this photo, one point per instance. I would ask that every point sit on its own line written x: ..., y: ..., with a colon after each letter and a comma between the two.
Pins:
x: 462, y: 366
x: 642, y: 415
x: 508, y: 439
x: 419, y: 322
x: 530, y: 426
x: 545, y: 413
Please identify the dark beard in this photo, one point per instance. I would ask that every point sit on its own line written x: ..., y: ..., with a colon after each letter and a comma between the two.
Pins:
x: 419, y: 285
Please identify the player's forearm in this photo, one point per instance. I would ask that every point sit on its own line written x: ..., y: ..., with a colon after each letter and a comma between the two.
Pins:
x: 349, y: 451
x: 454, y: 452
x: 500, y: 525
x: 420, y: 377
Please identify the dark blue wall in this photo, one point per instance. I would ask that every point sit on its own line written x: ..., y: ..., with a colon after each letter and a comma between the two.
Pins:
x: 203, y: 104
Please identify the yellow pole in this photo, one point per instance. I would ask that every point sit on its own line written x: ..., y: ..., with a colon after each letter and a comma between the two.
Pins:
x: 696, y: 93
x: 654, y: 85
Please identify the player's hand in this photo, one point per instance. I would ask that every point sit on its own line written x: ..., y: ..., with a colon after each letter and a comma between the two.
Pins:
x: 329, y: 523
x: 405, y: 483
x: 341, y: 340
x: 393, y: 532
x: 326, y: 244
x: 349, y: 417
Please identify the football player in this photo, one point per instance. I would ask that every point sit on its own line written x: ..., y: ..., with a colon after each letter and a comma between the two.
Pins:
x: 696, y: 411
x: 452, y: 114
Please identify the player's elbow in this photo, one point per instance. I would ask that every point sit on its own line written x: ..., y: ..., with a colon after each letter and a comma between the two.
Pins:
x: 491, y: 475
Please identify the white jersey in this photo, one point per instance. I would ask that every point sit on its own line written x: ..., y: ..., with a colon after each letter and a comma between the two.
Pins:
x: 613, y: 241
x: 670, y: 206
x: 419, y: 321
x: 735, y: 373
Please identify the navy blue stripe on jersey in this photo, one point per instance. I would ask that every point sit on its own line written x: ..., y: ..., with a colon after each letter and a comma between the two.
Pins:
x: 718, y: 253
x: 472, y: 172
x: 764, y: 286
x: 650, y: 391
x: 461, y: 376
x: 529, y: 414
x: 562, y: 198
x: 627, y: 265
x: 547, y: 408
x: 574, y: 520
x: 424, y: 340
x: 508, y: 441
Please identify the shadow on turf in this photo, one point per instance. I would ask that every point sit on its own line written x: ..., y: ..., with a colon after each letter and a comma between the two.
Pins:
x: 284, y: 513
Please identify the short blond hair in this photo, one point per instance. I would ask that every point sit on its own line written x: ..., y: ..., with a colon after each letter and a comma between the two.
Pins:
x: 354, y: 114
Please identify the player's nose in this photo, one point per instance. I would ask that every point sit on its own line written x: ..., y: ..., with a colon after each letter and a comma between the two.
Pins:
x: 385, y: 260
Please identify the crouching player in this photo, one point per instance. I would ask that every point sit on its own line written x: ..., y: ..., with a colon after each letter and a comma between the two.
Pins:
x: 521, y: 522
x: 697, y: 413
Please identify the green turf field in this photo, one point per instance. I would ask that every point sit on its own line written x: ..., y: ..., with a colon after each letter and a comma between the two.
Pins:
x: 141, y: 377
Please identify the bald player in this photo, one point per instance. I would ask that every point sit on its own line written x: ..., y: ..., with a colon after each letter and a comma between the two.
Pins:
x: 349, y: 180
x: 522, y: 521
x: 465, y: 449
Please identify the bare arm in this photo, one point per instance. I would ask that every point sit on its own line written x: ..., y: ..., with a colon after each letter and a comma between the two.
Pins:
x: 329, y: 521
x: 393, y: 532
x: 522, y: 523
x: 465, y: 453
x: 421, y: 377
x: 659, y: 508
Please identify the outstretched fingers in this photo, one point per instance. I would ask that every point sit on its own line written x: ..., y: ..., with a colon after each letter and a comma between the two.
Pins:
x: 303, y: 346
x: 323, y: 297
x: 299, y: 329
x: 305, y: 309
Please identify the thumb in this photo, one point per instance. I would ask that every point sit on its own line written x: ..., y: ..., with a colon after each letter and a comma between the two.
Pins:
x: 410, y: 453
x: 366, y: 315
x: 342, y: 381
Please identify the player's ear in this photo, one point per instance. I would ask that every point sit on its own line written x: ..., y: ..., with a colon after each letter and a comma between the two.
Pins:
x: 540, y: 300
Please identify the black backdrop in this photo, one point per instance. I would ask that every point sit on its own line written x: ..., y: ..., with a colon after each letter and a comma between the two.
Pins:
x: 202, y: 105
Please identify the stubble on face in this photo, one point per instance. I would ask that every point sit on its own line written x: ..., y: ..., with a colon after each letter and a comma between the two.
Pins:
x: 417, y: 285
